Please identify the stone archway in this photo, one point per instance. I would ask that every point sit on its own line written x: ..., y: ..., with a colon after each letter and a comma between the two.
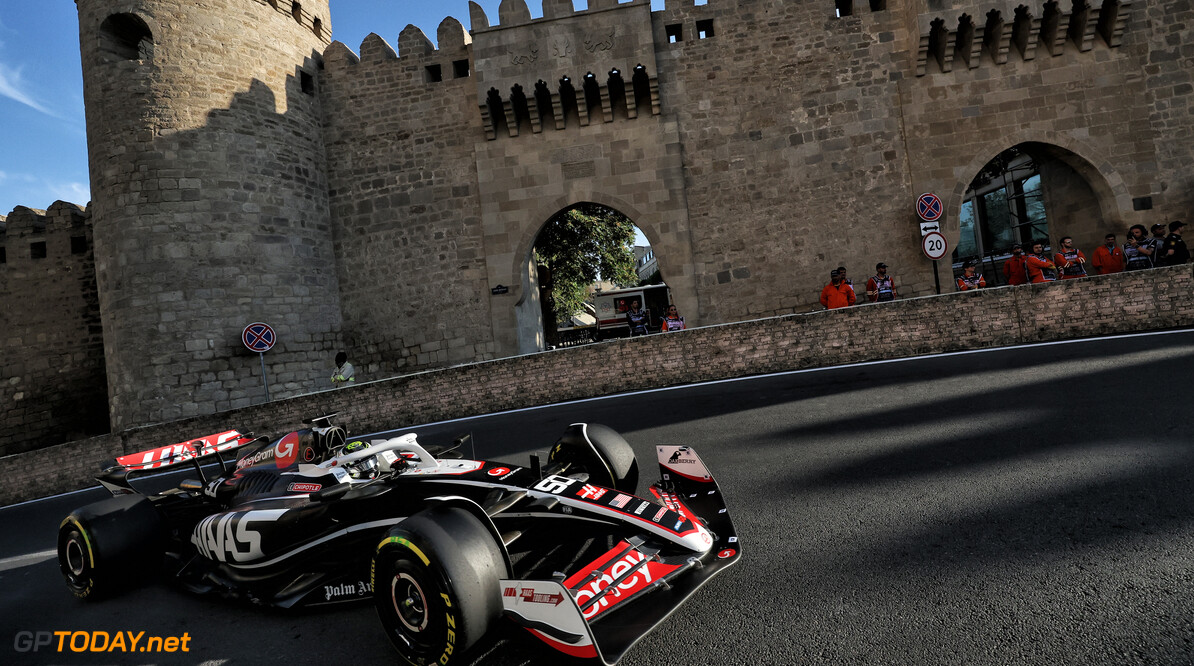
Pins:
x: 1085, y: 160
x: 672, y: 249
x: 1046, y: 191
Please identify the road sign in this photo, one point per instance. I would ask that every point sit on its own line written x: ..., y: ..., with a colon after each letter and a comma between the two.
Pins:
x: 929, y: 207
x: 926, y: 227
x: 259, y: 337
x: 934, y: 245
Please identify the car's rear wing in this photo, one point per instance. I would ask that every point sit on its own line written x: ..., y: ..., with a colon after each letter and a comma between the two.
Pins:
x: 117, y: 473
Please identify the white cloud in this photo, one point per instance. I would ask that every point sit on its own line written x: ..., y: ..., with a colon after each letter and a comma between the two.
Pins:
x: 77, y: 193
x: 10, y: 87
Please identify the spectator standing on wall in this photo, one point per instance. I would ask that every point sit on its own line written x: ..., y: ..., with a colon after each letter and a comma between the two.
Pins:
x: 1138, y: 251
x: 1108, y: 258
x: 837, y: 294
x: 1070, y: 260
x: 1040, y: 269
x: 841, y: 270
x: 880, y: 288
x: 672, y: 321
x: 1174, y: 252
x: 344, y: 374
x: 1155, y: 243
x: 1015, y: 269
x: 637, y: 319
x: 970, y: 279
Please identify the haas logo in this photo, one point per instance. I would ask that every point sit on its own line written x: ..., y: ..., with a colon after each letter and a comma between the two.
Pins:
x: 230, y: 537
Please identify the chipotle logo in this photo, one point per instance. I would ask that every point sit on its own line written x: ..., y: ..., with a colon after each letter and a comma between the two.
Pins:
x: 303, y: 488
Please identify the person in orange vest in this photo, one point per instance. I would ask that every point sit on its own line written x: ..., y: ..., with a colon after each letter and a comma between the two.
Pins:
x: 1015, y: 269
x: 1040, y: 269
x: 672, y: 321
x: 1108, y: 258
x: 880, y: 287
x: 1070, y: 260
x: 841, y: 270
x: 837, y: 294
x: 969, y: 279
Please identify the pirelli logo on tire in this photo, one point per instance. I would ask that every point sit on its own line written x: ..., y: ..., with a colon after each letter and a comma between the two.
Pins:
x: 450, y: 647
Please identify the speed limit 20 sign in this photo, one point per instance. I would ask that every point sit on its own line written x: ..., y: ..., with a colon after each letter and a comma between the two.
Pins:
x: 934, y: 245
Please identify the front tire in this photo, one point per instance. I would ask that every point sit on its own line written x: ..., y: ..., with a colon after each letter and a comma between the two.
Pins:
x: 600, y: 452
x: 435, y: 585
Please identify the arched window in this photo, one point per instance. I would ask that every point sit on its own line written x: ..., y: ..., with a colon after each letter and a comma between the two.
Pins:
x: 1004, y: 205
x: 126, y: 37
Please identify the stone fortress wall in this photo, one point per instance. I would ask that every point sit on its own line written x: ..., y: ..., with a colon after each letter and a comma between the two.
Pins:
x: 210, y: 199
x: 53, y: 388
x: 388, y: 202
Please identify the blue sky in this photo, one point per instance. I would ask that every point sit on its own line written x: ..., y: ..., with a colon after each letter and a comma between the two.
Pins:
x: 43, y: 143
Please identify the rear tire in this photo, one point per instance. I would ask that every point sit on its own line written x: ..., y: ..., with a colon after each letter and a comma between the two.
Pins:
x: 105, y: 545
x: 435, y: 585
x: 600, y: 452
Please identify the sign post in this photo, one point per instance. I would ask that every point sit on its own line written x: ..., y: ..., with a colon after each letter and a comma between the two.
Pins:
x: 260, y: 337
x: 930, y: 209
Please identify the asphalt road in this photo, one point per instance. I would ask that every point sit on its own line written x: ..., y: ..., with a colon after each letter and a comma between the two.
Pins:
x: 1022, y: 506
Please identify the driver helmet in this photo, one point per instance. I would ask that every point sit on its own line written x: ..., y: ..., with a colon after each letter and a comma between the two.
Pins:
x: 365, y: 468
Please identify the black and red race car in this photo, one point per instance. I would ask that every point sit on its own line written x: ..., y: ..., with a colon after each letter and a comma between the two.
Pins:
x: 445, y: 547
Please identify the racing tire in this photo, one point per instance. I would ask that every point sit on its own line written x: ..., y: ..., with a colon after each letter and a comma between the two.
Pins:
x: 109, y: 544
x: 600, y: 452
x: 435, y: 585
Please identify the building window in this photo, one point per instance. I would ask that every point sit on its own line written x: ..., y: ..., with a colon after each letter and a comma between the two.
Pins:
x: 78, y: 245
x: 674, y: 33
x: 127, y: 37
x: 1005, y: 206
x: 317, y: 26
x: 307, y: 83
x: 844, y: 7
x: 3, y: 255
x: 704, y: 29
x: 433, y: 74
x: 460, y: 68
x: 296, y: 10
x: 37, y: 250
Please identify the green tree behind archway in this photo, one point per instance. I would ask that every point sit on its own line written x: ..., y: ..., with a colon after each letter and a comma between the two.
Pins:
x: 578, y: 246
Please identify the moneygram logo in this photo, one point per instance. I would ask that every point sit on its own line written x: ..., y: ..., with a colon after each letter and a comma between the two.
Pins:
x: 99, y: 641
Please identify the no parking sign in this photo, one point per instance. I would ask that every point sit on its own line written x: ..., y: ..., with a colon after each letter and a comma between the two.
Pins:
x: 929, y: 207
x: 260, y: 337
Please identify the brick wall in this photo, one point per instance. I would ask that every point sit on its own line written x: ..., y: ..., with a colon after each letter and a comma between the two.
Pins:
x: 1122, y: 303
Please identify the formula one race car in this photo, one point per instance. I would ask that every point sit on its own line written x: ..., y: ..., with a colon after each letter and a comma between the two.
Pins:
x: 445, y: 547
